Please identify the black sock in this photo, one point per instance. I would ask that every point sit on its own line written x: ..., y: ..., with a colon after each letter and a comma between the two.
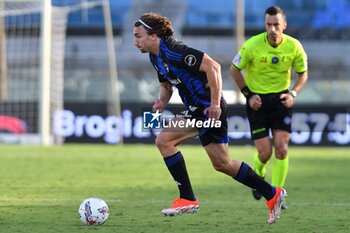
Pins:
x: 248, y: 177
x: 177, y: 167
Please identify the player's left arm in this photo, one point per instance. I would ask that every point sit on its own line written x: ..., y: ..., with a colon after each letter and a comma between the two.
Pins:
x: 213, y: 72
x: 300, y: 82
x: 289, y: 98
x: 300, y: 66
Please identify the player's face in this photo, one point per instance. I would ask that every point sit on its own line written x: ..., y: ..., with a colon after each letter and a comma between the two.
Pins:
x: 144, y: 42
x: 275, y: 25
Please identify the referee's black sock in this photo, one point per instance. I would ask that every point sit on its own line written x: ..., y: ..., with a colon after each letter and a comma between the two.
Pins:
x: 248, y: 177
x: 177, y: 167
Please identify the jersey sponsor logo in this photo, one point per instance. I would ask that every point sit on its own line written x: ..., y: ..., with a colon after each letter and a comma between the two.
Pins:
x: 175, y: 81
x: 163, y: 69
x: 237, y: 59
x: 190, y: 60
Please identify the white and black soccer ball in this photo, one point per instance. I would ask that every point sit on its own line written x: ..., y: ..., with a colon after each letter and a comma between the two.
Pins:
x: 93, y: 211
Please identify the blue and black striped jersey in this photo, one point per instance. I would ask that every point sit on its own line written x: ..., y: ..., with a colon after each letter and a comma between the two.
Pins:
x: 179, y: 64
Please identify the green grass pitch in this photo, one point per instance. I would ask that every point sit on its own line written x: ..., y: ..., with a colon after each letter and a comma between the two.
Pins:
x: 42, y: 188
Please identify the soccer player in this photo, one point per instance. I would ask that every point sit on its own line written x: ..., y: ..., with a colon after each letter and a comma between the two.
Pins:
x: 198, y: 80
x: 267, y: 59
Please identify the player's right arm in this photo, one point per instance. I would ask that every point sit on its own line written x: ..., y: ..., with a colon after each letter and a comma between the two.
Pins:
x: 237, y: 77
x: 165, y: 93
x: 254, y: 100
x: 239, y: 62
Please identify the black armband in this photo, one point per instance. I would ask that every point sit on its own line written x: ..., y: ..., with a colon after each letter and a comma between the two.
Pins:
x: 246, y: 92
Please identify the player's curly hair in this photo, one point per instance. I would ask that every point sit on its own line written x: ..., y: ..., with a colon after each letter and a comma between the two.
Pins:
x: 156, y: 24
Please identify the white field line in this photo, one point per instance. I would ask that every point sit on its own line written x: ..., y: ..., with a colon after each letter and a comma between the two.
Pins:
x: 47, y: 200
x: 53, y: 200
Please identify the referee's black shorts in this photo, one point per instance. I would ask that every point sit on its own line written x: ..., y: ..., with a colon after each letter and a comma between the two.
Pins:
x: 272, y: 115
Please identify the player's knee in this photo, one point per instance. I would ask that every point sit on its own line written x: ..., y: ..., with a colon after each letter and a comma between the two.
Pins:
x: 223, y: 167
x: 161, y: 143
x: 265, y: 155
x: 281, y: 152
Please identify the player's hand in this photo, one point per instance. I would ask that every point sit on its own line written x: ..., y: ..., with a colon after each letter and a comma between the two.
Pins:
x: 255, y: 102
x: 287, y: 100
x: 158, y: 105
x: 213, y: 111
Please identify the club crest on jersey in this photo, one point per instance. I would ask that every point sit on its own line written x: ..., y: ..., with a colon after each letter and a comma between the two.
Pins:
x: 190, y: 60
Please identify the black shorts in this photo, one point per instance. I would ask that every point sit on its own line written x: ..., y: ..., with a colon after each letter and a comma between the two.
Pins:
x: 272, y: 115
x: 212, y: 134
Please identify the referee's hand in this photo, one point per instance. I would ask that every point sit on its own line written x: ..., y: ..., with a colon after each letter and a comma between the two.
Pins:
x: 287, y: 100
x: 255, y: 102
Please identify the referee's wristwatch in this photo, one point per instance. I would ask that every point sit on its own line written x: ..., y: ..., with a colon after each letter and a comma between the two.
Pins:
x: 293, y: 93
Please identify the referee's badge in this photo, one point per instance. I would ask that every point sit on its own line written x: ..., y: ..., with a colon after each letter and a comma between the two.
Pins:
x: 274, y: 60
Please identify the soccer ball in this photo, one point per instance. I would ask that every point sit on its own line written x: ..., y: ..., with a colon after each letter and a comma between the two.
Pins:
x: 93, y: 211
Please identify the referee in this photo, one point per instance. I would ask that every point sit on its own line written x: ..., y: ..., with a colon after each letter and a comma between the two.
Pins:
x: 198, y: 79
x: 267, y: 59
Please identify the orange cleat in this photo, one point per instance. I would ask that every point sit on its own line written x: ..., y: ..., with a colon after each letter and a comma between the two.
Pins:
x: 181, y: 206
x: 275, y: 204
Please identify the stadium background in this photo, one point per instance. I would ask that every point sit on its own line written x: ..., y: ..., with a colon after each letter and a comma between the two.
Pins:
x: 42, y: 187
x: 323, y: 26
